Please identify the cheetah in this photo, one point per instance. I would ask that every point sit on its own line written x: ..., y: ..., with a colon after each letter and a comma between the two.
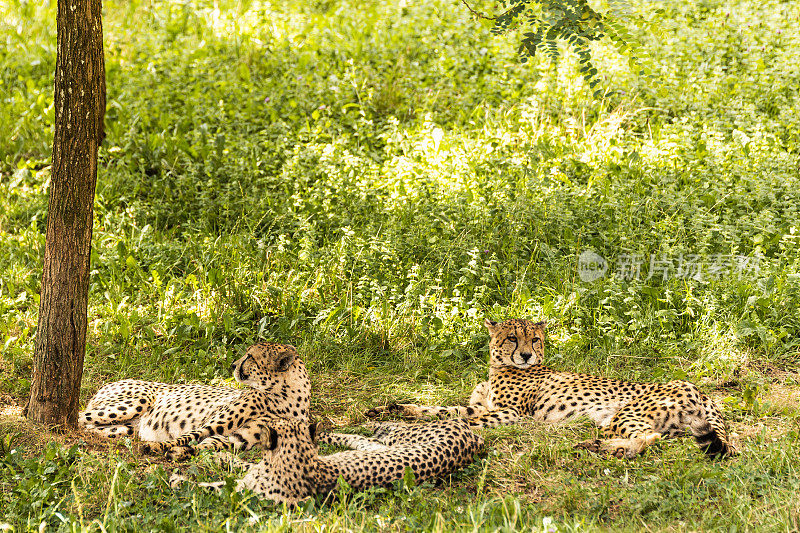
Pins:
x: 291, y: 469
x: 167, y: 418
x: 632, y: 415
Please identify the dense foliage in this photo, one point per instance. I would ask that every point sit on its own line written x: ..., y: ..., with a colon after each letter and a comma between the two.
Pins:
x: 545, y: 23
x: 369, y: 181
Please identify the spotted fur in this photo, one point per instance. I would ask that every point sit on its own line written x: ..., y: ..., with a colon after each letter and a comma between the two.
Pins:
x: 633, y: 415
x: 291, y: 469
x: 168, y: 418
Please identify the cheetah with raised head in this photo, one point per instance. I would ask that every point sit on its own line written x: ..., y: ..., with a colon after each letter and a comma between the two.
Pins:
x: 168, y: 418
x: 291, y: 470
x: 633, y: 415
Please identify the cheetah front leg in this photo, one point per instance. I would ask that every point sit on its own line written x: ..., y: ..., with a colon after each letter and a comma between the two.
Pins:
x: 478, y: 416
x: 417, y: 412
x: 250, y: 434
x: 485, y: 418
x: 223, y: 422
x: 478, y: 399
x: 176, y: 480
x: 426, y: 412
x: 256, y: 432
x: 180, y: 449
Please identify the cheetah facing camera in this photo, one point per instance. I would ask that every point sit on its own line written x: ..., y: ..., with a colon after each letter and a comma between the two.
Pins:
x: 633, y: 415
x: 291, y: 470
x: 170, y: 417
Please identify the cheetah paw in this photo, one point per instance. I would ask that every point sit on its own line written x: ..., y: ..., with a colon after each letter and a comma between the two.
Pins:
x: 381, y: 410
x: 180, y: 453
x: 592, y: 445
x: 629, y: 448
x: 619, y: 447
x: 175, y: 480
x: 600, y: 447
x: 151, y: 448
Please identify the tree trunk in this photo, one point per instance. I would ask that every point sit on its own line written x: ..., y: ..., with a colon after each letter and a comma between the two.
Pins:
x: 80, y: 102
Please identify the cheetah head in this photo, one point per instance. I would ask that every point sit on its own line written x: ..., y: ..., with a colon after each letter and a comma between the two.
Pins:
x: 291, y: 433
x: 517, y: 343
x: 267, y: 365
x: 287, y: 470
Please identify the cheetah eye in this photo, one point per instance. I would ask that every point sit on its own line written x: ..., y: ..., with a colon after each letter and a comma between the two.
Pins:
x: 536, y: 339
x: 512, y: 338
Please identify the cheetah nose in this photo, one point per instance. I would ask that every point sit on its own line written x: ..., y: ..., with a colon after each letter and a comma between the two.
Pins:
x: 526, y: 356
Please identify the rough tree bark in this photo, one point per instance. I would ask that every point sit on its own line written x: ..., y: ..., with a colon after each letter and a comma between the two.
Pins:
x: 80, y: 102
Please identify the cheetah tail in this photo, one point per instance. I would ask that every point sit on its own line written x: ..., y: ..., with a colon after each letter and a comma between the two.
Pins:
x: 711, y: 437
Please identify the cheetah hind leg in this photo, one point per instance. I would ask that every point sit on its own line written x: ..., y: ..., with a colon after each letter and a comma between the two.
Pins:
x: 117, y: 404
x: 621, y: 447
x: 228, y: 460
x: 113, y: 431
x: 176, y: 480
x: 352, y: 441
x: 380, y: 439
x: 221, y: 459
x: 480, y: 395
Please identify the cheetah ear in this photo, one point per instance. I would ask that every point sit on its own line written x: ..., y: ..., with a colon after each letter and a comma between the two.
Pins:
x: 314, y: 429
x: 285, y: 362
x: 273, y: 439
x: 491, y: 325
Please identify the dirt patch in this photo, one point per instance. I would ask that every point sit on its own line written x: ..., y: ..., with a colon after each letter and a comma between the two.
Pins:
x: 777, y: 412
x: 773, y: 371
x: 782, y: 396
x: 34, y: 437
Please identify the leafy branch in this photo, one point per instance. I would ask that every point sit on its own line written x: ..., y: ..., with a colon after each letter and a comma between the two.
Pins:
x: 546, y: 22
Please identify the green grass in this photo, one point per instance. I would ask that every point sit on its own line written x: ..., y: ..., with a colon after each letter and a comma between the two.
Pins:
x: 368, y: 182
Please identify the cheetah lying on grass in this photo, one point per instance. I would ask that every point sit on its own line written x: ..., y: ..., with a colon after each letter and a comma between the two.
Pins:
x: 291, y: 470
x: 633, y: 415
x: 169, y: 417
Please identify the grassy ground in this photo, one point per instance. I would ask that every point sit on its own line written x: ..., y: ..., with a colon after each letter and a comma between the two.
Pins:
x: 369, y: 181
